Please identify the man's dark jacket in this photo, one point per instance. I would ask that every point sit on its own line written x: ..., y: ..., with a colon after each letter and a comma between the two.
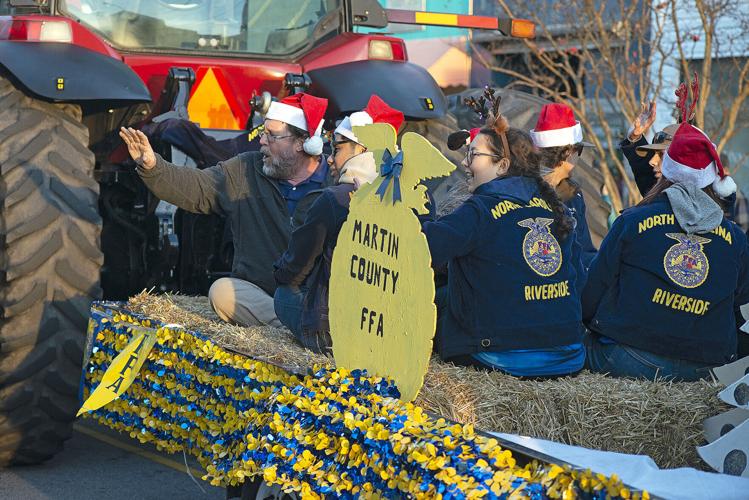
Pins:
x: 251, y: 201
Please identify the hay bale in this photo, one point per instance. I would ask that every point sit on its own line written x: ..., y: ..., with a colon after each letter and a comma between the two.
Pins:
x: 661, y: 419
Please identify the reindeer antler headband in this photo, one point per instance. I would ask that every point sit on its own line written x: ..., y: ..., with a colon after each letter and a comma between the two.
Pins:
x: 685, y: 108
x: 492, y: 116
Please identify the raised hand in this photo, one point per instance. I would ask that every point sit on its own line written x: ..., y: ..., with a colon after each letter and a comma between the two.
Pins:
x: 138, y: 146
x: 643, y: 121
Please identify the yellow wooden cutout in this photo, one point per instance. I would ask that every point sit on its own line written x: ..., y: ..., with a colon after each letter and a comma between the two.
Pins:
x: 377, y: 137
x: 382, y: 313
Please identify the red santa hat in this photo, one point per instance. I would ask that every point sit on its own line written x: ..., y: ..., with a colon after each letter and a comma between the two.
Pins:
x: 377, y: 111
x: 556, y: 126
x: 691, y: 158
x: 305, y: 112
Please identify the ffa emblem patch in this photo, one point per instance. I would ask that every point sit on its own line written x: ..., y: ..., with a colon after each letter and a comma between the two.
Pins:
x: 541, y: 250
x: 685, y: 262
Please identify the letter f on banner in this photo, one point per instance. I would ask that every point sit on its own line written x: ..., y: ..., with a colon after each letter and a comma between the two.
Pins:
x: 121, y: 372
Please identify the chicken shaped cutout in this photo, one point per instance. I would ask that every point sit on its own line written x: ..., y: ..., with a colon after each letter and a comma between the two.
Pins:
x: 382, y: 312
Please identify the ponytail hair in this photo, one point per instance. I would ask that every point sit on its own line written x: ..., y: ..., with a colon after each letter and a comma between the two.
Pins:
x: 524, y: 162
x: 664, y: 184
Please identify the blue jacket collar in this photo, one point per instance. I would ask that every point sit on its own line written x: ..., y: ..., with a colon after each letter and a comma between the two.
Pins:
x: 517, y: 188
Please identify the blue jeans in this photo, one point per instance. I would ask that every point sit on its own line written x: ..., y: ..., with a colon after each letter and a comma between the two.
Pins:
x: 620, y: 360
x: 520, y: 363
x: 288, y: 301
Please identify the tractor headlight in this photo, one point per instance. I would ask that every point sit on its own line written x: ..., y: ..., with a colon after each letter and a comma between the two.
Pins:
x: 55, y: 31
x: 380, y: 49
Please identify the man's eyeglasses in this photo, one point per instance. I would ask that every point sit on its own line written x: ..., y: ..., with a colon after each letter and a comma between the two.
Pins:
x: 274, y: 138
x: 471, y: 154
x: 661, y: 137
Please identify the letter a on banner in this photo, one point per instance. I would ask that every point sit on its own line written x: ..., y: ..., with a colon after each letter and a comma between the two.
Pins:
x: 121, y: 372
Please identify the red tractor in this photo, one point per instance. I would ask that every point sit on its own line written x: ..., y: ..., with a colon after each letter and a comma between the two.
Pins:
x: 75, y: 218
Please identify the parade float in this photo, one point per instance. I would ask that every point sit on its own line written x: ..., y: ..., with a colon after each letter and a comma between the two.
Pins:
x: 382, y: 418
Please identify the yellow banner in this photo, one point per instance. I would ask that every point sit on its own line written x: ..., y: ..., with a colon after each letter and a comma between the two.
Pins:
x: 121, y: 372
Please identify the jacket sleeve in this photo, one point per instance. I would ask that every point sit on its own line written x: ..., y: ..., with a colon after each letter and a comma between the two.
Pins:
x: 742, y: 289
x: 641, y: 169
x: 730, y: 206
x: 581, y: 270
x: 432, y: 207
x: 604, y: 270
x: 588, y: 250
x: 204, y: 191
x: 453, y: 235
x: 306, y: 245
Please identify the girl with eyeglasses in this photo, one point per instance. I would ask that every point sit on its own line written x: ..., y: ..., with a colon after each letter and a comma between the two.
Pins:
x: 559, y: 139
x: 303, y: 271
x: 511, y: 302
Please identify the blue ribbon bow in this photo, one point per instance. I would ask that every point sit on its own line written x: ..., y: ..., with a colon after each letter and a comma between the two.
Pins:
x: 391, y: 170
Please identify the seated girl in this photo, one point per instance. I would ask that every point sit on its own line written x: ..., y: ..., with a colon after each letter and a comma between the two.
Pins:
x: 663, y: 291
x: 512, y: 300
x: 303, y: 271
x: 559, y: 139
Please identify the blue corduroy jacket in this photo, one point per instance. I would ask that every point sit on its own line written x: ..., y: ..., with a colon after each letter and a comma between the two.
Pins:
x: 512, y: 284
x: 656, y: 288
x: 309, y: 258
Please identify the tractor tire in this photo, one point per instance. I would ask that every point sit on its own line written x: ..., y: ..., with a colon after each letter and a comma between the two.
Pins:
x: 50, y: 263
x: 436, y: 132
x: 521, y: 110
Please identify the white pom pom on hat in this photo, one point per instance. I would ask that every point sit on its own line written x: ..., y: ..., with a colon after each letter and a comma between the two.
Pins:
x: 724, y: 187
x: 313, y: 145
x: 692, y: 159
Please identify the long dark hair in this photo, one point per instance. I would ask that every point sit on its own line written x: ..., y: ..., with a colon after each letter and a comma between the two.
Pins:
x: 664, y: 184
x: 524, y: 161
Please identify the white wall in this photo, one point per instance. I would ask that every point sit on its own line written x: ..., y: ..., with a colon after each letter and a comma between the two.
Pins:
x: 731, y: 42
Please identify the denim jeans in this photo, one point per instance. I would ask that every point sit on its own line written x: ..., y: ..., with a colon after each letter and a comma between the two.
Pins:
x: 447, y: 325
x: 289, y: 303
x: 620, y: 360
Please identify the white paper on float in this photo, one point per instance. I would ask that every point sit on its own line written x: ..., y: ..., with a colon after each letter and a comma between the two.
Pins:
x: 720, y: 425
x: 728, y: 454
x: 737, y: 394
x: 730, y: 373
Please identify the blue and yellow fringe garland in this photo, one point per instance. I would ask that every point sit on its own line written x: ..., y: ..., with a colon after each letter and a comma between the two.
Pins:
x: 330, y: 433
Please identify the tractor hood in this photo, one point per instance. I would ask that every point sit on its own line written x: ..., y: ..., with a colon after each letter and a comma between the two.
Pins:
x: 405, y: 86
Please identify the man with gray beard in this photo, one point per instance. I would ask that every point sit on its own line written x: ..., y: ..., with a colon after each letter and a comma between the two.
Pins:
x: 263, y: 195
